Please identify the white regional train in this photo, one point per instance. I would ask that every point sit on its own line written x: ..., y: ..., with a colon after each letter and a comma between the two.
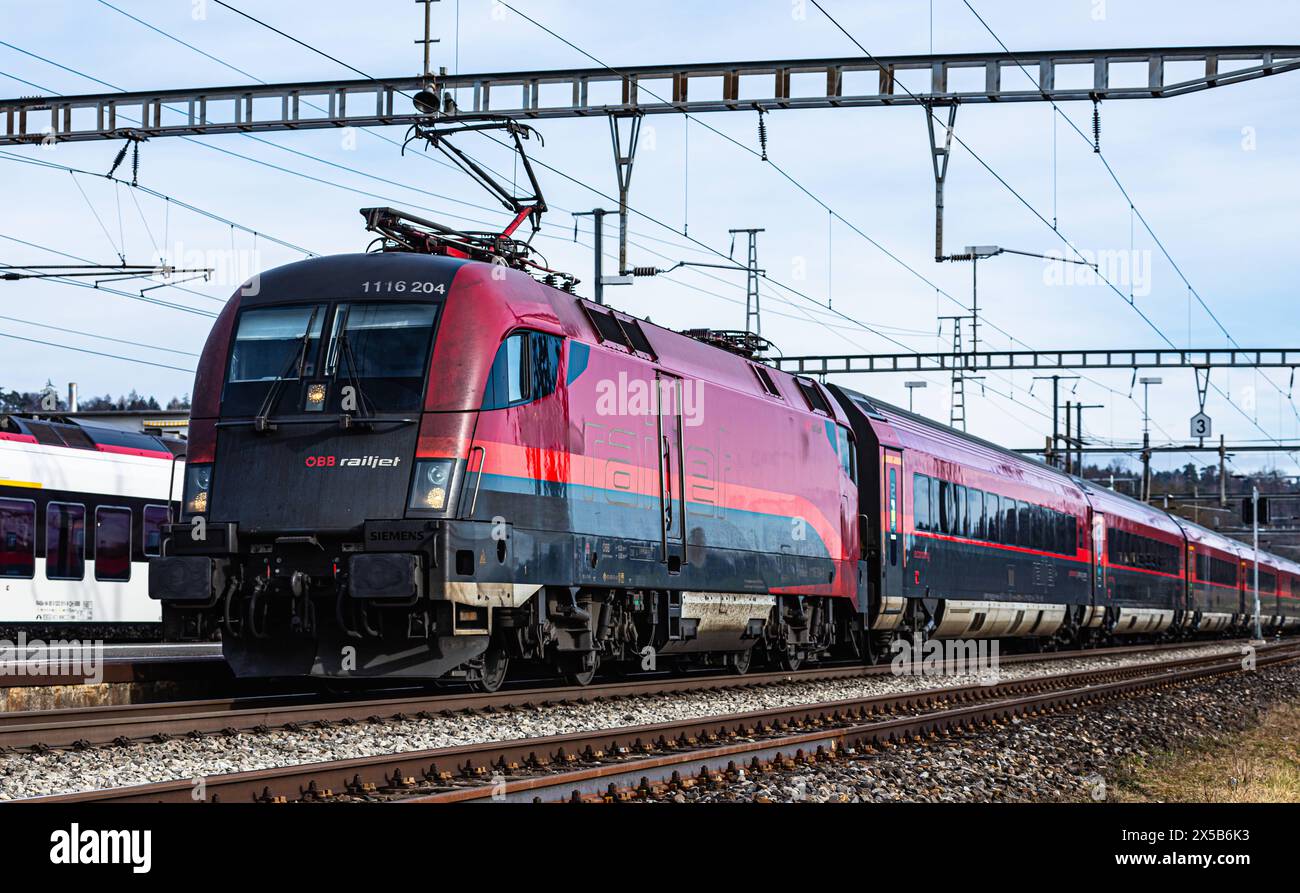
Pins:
x: 81, y: 514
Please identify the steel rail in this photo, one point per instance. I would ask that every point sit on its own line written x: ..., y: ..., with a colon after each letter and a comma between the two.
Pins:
x: 450, y: 770
x: 122, y: 724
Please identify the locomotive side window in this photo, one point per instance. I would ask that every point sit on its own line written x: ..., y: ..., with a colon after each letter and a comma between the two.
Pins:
x: 65, y: 541
x: 112, y: 543
x: 155, y: 516
x: 920, y: 502
x: 17, y: 538
x: 276, y: 341
x: 526, y: 368
x: 848, y: 461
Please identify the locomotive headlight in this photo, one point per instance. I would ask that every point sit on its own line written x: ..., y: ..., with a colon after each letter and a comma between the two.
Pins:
x: 432, y: 481
x: 198, y: 481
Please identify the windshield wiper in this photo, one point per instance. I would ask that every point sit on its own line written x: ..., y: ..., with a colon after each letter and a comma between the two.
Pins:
x: 261, y: 421
x: 346, y: 420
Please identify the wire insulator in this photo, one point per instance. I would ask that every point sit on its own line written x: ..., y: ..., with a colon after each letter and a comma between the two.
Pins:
x: 762, y: 134
x: 1096, y: 126
x: 118, y: 160
x: 644, y: 271
x: 135, y: 162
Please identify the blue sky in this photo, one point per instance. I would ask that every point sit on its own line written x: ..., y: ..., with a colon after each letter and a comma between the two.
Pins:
x: 1211, y: 172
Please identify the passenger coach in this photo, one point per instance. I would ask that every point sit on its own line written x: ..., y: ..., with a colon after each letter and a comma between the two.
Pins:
x: 82, y: 511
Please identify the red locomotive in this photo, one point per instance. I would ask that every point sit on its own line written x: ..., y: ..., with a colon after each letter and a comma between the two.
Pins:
x: 421, y: 465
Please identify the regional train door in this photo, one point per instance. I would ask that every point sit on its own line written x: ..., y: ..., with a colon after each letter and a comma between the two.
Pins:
x: 672, y: 503
x: 891, y: 521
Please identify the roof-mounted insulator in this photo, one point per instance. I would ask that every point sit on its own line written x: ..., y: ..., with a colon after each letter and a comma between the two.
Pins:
x: 1096, y: 125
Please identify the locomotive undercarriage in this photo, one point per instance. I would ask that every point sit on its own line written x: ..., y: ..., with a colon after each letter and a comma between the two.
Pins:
x: 310, y: 606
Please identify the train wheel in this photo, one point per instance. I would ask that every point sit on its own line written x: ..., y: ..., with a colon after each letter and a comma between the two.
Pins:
x: 582, y: 670
x: 741, y: 661
x: 789, y: 660
x: 493, y: 672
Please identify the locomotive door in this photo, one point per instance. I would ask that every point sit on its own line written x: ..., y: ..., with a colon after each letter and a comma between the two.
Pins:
x: 672, y: 503
x: 891, y: 521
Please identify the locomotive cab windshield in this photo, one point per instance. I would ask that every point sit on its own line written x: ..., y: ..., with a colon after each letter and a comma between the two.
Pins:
x: 283, y: 364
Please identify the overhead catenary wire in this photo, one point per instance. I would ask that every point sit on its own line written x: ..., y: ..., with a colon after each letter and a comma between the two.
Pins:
x: 1134, y: 211
x: 1033, y: 210
x: 645, y: 216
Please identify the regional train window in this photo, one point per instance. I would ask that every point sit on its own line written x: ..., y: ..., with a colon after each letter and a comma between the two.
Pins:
x: 112, y: 543
x: 155, y: 516
x: 975, y: 511
x: 17, y: 538
x: 65, y: 541
x: 1009, y: 526
x: 1026, y: 524
x: 920, y: 502
x: 270, y: 343
x: 993, y: 517
x: 959, y: 525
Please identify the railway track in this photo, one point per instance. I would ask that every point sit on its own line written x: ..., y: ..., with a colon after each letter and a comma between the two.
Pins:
x: 639, y: 762
x: 124, y: 724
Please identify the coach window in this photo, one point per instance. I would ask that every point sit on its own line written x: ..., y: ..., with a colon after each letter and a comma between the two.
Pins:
x: 155, y: 516
x: 17, y: 538
x: 112, y: 544
x: 992, y: 518
x: 1024, y: 530
x: 975, y: 512
x: 65, y: 541
x: 945, y: 506
x: 934, y: 505
x: 920, y: 502
x: 959, y: 523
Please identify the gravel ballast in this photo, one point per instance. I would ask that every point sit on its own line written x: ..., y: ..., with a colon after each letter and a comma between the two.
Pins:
x: 1071, y: 756
x: 33, y: 774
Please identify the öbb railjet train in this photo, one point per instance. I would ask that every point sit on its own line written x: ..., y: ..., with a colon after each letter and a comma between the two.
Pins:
x: 414, y: 465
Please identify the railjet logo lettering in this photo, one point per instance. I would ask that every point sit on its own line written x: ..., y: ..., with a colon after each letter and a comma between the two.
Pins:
x: 351, y: 462
x: 89, y: 847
